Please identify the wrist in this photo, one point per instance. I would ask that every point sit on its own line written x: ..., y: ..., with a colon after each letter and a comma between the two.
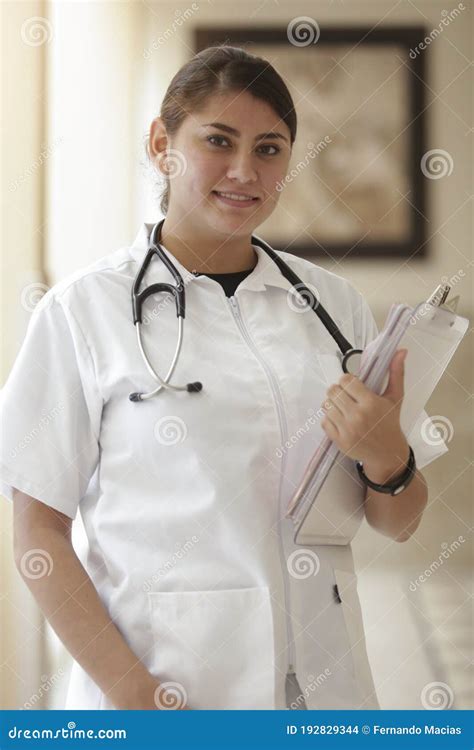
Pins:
x: 385, y: 469
x: 136, y: 693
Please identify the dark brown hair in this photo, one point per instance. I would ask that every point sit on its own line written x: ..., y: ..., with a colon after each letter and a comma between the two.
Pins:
x: 217, y: 70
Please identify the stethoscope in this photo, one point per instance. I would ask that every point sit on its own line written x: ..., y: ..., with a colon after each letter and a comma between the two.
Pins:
x: 349, y: 354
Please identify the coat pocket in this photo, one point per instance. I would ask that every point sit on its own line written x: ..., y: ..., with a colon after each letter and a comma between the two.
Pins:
x: 349, y: 600
x: 216, y: 647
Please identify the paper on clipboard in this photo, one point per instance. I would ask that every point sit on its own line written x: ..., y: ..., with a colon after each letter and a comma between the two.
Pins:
x: 327, y: 507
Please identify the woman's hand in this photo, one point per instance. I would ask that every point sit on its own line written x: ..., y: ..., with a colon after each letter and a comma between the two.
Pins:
x: 363, y: 425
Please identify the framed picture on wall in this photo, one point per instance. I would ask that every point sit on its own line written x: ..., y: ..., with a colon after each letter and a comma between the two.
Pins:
x: 354, y: 186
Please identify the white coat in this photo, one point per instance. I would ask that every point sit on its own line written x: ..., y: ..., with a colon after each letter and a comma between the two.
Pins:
x: 183, y: 496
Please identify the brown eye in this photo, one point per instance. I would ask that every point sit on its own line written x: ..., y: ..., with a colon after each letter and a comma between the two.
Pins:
x: 217, y: 137
x: 270, y: 145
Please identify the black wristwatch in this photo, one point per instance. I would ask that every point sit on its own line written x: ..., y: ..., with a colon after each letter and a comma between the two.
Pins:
x: 398, y: 484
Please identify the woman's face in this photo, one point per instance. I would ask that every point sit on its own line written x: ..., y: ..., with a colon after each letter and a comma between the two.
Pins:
x: 206, y: 158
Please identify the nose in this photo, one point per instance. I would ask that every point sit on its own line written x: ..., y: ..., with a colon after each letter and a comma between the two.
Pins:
x: 241, y: 168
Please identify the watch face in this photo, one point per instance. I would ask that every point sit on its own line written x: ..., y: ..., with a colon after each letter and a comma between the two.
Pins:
x: 399, y: 489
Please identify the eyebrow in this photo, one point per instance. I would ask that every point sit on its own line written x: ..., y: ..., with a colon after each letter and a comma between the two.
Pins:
x: 233, y: 131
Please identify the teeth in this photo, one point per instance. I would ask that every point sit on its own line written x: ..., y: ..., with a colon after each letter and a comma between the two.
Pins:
x: 235, y: 197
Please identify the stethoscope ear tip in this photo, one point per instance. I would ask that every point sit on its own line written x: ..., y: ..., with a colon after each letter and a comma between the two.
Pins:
x: 194, y: 387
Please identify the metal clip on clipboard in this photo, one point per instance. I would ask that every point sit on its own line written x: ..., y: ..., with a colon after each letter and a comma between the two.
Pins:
x: 328, y: 504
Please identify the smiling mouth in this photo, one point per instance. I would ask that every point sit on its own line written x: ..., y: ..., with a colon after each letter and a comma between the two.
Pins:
x: 235, y: 199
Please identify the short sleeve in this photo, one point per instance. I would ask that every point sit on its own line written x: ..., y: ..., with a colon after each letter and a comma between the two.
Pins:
x: 423, y: 437
x: 50, y: 412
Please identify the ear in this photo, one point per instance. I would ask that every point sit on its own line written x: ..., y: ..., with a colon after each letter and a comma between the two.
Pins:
x: 157, y: 144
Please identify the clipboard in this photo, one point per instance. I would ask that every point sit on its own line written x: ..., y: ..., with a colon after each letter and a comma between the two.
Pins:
x: 328, y: 504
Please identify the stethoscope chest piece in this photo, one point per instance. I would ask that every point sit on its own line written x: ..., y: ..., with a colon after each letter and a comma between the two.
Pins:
x: 351, y: 361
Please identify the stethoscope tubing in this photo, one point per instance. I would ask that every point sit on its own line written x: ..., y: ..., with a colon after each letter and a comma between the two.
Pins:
x: 178, y: 293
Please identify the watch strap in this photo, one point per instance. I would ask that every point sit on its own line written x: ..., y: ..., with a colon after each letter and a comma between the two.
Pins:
x: 396, y: 485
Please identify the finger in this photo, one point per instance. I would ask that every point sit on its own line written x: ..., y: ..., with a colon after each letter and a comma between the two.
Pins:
x: 335, y: 416
x: 354, y: 387
x: 329, y: 406
x: 342, y: 400
x: 329, y: 428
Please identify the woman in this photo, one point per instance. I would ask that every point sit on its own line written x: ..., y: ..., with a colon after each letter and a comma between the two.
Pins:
x: 192, y: 594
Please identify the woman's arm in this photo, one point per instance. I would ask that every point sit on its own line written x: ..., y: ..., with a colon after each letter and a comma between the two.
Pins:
x: 399, y: 516
x: 73, y: 607
x: 366, y: 427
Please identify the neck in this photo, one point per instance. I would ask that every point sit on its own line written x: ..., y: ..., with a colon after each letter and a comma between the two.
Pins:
x: 204, y: 252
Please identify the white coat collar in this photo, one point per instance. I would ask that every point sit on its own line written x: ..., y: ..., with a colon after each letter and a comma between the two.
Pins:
x: 265, y: 273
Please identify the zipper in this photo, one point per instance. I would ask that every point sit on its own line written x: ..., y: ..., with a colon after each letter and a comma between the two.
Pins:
x: 234, y: 306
